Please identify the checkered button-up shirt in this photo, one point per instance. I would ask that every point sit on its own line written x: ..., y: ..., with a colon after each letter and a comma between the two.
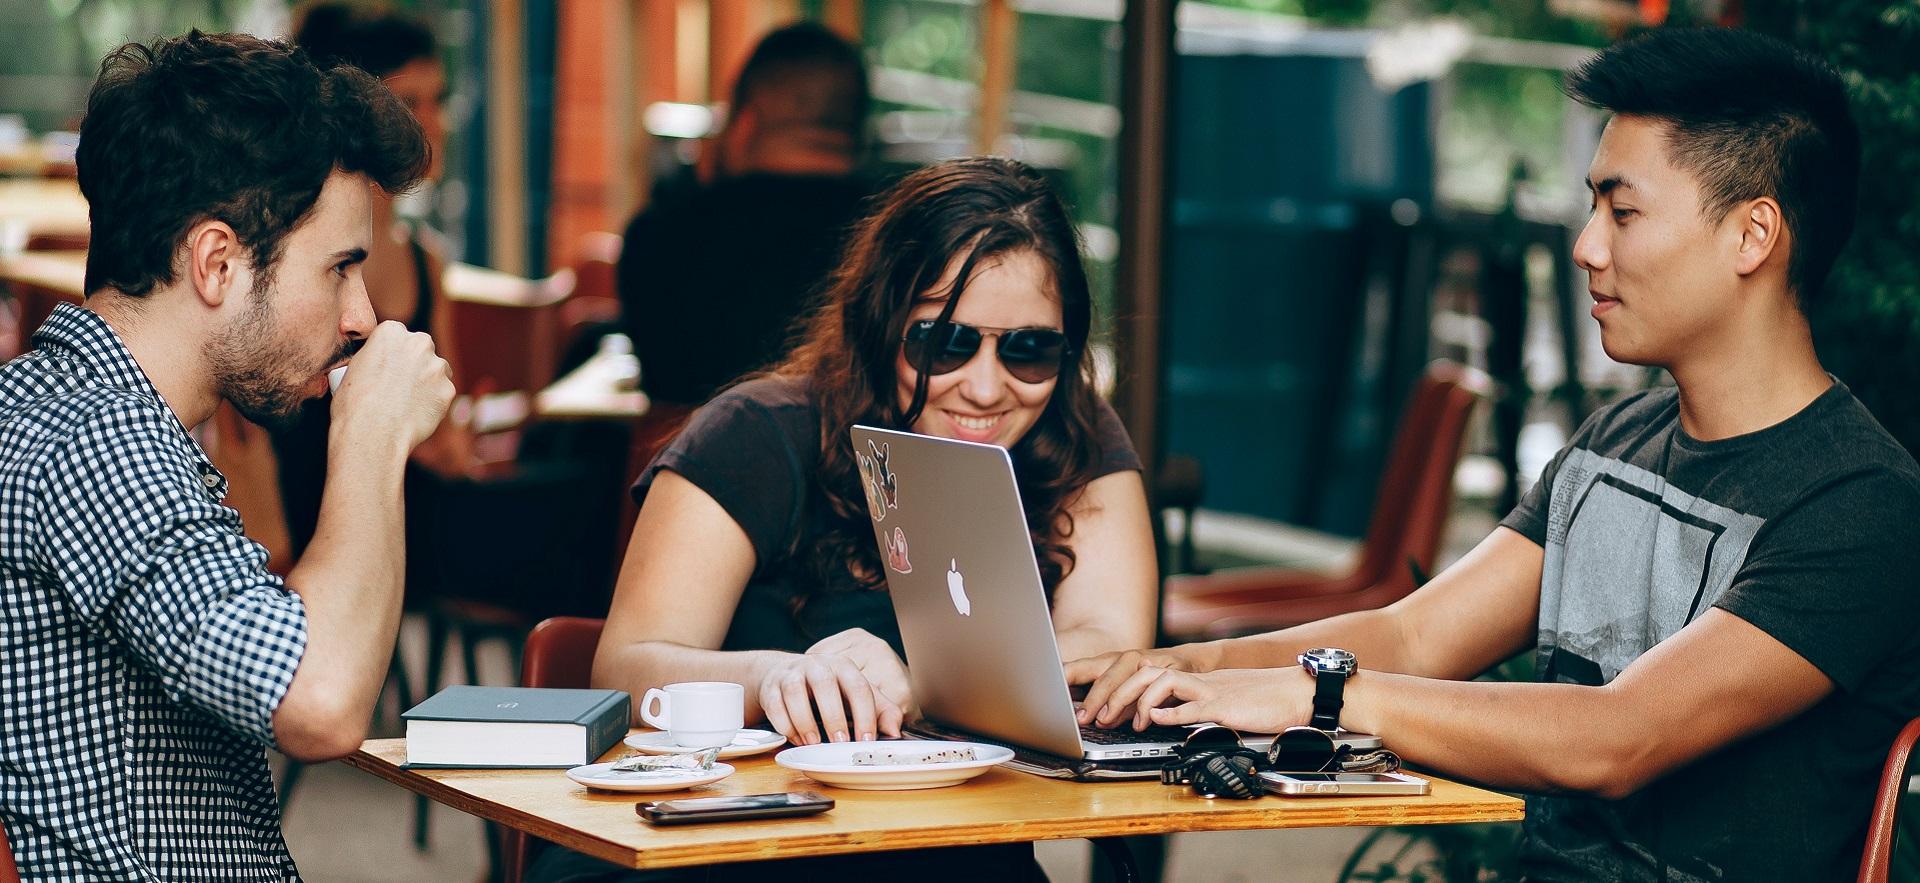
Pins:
x: 143, y: 644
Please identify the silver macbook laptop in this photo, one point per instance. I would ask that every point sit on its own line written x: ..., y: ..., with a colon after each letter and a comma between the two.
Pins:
x: 972, y: 610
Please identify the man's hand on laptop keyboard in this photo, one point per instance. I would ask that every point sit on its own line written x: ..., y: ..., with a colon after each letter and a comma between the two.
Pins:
x: 1117, y: 681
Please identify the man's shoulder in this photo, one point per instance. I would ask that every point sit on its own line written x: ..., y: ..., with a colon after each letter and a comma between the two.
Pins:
x: 1850, y: 434
x: 39, y: 408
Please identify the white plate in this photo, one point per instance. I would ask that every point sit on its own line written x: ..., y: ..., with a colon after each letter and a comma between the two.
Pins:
x: 748, y: 742
x: 832, y: 763
x: 599, y: 776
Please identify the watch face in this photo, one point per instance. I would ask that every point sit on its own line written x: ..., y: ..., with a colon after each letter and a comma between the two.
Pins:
x: 1329, y: 659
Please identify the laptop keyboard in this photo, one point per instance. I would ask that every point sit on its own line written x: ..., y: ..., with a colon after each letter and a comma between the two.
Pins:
x: 1126, y: 735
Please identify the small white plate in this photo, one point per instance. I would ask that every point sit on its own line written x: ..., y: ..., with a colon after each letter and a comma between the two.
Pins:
x: 831, y: 763
x: 748, y: 742
x: 601, y: 777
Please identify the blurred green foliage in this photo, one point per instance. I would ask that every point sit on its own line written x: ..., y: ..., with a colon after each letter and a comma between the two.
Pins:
x: 1868, y: 324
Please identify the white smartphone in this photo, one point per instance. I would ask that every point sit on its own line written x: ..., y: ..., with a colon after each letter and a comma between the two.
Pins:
x: 1342, y: 784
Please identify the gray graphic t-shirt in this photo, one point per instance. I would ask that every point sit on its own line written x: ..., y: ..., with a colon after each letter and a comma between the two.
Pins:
x: 1809, y: 530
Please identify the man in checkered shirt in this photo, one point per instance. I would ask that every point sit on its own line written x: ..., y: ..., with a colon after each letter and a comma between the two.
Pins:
x: 147, y: 656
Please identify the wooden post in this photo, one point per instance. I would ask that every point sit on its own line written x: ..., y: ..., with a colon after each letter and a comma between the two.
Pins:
x: 506, y: 137
x: 999, y: 33
x: 845, y: 17
x: 1146, y: 99
x: 690, y: 51
x: 593, y: 125
x: 733, y: 25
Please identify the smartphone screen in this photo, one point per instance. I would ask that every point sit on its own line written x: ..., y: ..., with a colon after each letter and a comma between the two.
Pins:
x: 1345, y: 778
x: 744, y: 806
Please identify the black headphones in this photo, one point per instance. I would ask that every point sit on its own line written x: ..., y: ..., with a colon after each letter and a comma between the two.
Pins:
x: 1216, y: 764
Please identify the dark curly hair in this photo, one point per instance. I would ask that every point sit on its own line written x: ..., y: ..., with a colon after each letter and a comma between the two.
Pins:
x: 976, y: 209
x: 227, y: 127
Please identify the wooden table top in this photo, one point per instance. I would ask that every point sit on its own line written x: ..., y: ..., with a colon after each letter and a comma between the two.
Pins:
x: 60, y: 272
x: 46, y: 205
x: 1002, y: 806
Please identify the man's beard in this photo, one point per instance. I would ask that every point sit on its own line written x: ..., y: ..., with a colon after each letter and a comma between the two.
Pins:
x: 252, y: 372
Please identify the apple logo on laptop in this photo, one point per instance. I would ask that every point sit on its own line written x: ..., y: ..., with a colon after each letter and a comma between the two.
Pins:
x: 957, y: 587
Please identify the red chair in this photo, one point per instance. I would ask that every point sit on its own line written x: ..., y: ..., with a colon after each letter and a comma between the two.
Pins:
x: 1875, y: 864
x: 1409, y: 516
x: 559, y: 653
x: 595, y: 304
x: 9, y: 873
x: 507, y: 327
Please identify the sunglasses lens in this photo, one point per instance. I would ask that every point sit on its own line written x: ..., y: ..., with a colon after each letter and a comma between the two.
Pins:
x: 1212, y: 737
x: 1033, y: 354
x: 956, y: 345
x: 1301, y: 750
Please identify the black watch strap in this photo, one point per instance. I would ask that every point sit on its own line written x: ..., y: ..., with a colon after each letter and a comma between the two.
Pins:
x: 1328, y: 695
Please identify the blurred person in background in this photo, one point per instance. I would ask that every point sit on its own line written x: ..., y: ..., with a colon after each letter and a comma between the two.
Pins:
x: 712, y: 276
x: 404, y: 265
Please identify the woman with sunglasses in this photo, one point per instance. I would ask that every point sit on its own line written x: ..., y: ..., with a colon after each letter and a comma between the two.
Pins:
x: 961, y: 310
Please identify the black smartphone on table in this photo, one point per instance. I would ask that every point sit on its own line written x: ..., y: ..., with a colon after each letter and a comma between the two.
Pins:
x: 734, y: 807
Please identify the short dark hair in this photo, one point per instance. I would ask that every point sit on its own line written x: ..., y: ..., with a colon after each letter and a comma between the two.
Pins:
x: 815, y: 77
x: 229, y: 127
x: 374, y: 38
x: 1749, y: 116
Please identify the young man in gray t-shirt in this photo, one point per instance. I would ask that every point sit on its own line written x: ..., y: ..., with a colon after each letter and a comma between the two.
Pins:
x: 1717, y: 578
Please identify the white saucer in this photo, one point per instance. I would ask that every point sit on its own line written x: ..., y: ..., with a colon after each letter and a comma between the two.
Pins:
x: 598, y: 776
x: 831, y: 763
x: 748, y: 742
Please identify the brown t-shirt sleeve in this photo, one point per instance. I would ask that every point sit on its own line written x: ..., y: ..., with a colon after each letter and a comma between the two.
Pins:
x: 1115, y: 446
x: 749, y: 449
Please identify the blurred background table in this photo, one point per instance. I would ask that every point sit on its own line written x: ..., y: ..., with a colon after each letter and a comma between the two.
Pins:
x: 42, y: 213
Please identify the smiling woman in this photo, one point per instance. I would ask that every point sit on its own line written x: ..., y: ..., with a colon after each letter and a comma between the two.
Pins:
x: 960, y: 309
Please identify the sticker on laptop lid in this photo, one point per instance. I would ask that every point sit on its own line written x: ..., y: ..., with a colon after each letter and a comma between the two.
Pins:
x: 883, y: 490
x: 897, y: 552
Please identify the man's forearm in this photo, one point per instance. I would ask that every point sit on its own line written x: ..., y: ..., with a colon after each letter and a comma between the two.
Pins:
x: 1373, y: 635
x: 351, y: 578
x: 1526, y: 736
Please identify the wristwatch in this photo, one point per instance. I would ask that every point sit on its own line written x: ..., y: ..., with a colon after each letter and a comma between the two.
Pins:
x: 1330, y: 667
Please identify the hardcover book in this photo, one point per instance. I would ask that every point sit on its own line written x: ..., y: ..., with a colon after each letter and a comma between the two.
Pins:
x: 533, y: 727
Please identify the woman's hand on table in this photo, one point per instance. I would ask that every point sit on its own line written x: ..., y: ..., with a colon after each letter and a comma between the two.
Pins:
x: 851, y: 686
x: 876, y: 659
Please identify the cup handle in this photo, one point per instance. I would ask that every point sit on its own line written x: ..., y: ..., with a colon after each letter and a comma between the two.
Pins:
x: 656, y: 720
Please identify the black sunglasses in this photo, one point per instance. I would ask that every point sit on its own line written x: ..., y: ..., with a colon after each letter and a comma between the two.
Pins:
x: 1304, y: 750
x: 1294, y: 750
x: 1031, y: 355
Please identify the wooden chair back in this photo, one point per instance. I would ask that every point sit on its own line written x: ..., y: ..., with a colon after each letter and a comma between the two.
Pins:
x: 559, y: 653
x: 9, y: 872
x: 1415, y: 494
x: 244, y: 454
x: 1876, y: 864
x: 1409, y: 519
x: 506, y: 327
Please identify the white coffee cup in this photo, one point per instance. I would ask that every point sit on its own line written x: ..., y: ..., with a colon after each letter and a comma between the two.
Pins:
x: 697, y: 714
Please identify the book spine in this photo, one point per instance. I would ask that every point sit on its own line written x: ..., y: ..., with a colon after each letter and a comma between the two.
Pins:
x: 608, y: 726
